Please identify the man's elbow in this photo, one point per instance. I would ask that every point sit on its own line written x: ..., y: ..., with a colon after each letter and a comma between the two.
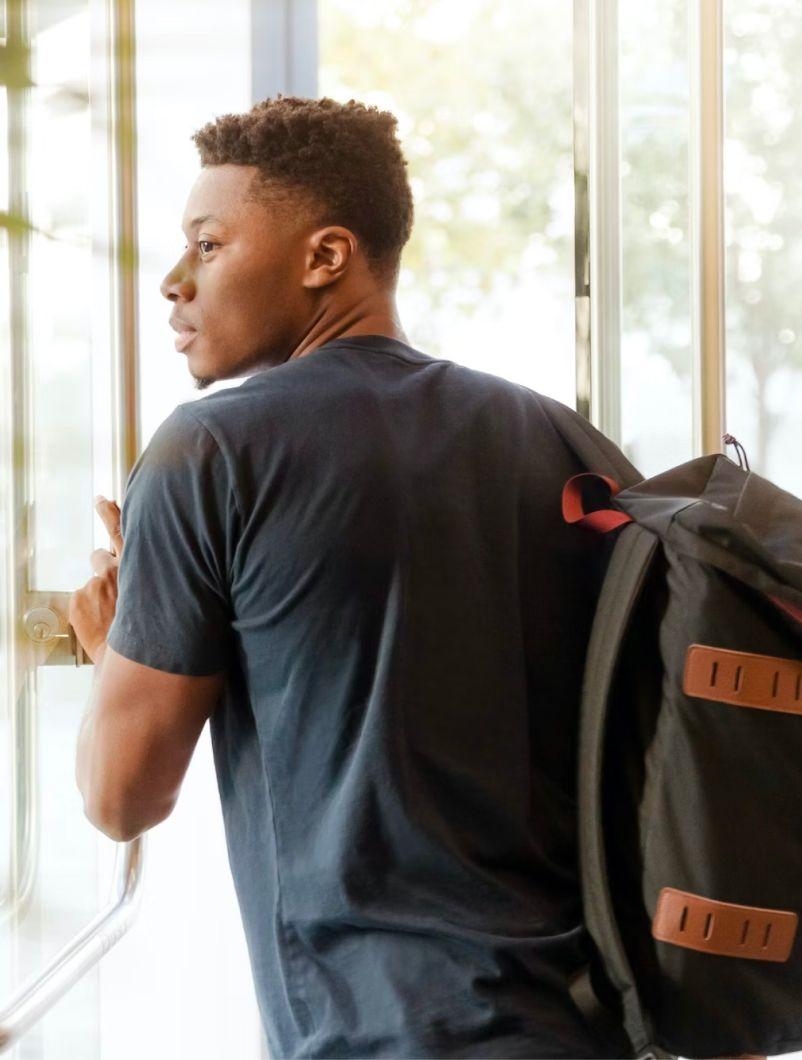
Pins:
x: 114, y: 831
x: 124, y: 825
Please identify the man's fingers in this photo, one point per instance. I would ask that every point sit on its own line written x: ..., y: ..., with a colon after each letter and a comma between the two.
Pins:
x: 109, y: 512
x: 103, y: 562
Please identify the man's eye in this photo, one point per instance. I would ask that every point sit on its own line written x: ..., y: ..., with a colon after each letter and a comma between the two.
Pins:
x: 206, y: 246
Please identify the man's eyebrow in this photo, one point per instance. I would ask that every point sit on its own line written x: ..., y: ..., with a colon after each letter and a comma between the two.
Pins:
x: 204, y: 217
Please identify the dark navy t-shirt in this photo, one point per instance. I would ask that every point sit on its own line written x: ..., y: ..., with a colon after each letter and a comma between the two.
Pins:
x: 369, y: 541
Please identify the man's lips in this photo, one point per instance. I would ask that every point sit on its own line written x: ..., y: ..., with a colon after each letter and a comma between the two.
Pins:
x: 183, y: 339
x: 186, y: 333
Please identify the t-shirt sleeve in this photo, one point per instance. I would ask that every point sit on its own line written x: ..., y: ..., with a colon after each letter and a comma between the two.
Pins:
x: 178, y: 521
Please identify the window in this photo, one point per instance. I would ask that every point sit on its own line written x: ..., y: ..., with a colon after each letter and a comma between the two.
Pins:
x: 482, y: 90
x: 656, y: 350
x: 763, y: 203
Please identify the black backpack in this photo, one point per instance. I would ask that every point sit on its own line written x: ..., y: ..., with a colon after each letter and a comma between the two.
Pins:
x: 690, y: 761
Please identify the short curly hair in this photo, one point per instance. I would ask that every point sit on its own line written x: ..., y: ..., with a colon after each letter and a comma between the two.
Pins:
x: 342, y: 160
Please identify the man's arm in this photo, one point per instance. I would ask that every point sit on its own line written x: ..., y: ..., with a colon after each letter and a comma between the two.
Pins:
x: 162, y: 647
x: 136, y: 741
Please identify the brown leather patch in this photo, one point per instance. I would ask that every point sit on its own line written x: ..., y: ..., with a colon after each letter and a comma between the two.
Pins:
x: 743, y: 679
x: 731, y: 930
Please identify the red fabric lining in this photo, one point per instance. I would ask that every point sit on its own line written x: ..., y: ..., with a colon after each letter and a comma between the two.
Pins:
x: 603, y: 519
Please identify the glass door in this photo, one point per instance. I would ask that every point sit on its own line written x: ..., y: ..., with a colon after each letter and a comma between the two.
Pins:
x: 60, y: 443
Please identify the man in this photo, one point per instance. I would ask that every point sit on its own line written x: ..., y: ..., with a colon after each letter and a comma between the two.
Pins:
x: 355, y: 565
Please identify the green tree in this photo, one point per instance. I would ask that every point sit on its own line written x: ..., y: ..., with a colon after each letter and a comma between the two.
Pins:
x: 764, y: 201
x: 485, y: 114
x: 487, y: 131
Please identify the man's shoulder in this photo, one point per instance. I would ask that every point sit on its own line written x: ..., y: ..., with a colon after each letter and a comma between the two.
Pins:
x: 227, y: 411
x: 537, y: 408
x: 279, y: 396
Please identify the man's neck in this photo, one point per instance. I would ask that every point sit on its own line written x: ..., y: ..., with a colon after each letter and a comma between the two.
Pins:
x: 379, y: 318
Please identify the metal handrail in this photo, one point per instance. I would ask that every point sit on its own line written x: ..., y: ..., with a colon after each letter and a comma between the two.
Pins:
x: 42, y: 990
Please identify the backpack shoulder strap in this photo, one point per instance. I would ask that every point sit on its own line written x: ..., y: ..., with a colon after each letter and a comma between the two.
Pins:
x: 631, y: 560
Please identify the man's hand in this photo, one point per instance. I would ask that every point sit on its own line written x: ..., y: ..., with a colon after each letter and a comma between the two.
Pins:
x: 92, y: 607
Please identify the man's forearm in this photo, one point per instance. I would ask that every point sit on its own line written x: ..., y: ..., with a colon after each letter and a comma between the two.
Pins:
x: 83, y: 754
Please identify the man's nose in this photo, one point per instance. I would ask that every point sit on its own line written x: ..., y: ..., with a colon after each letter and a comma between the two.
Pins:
x: 178, y: 284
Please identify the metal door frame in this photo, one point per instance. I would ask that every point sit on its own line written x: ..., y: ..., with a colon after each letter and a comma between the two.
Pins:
x: 54, y: 644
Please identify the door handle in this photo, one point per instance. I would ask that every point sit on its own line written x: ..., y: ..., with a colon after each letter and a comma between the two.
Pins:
x: 47, y: 628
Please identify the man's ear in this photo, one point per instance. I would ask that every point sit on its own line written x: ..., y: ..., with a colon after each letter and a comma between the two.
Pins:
x: 329, y: 255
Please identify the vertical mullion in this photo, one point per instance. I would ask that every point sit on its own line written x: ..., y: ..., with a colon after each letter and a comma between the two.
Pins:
x: 707, y: 224
x: 124, y: 236
x: 605, y: 220
x: 582, y: 289
x: 597, y: 214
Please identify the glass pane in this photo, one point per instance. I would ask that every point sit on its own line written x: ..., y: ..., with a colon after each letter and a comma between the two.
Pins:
x: 66, y: 895
x: 58, y: 177
x: 656, y: 353
x: 763, y: 146
x: 175, y: 97
x: 483, y: 95
x: 49, y: 470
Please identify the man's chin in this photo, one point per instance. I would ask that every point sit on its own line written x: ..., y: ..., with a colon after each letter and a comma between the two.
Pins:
x: 203, y: 381
x: 228, y: 370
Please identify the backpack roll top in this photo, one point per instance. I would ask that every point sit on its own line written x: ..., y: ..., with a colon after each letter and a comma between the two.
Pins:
x: 690, y: 766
